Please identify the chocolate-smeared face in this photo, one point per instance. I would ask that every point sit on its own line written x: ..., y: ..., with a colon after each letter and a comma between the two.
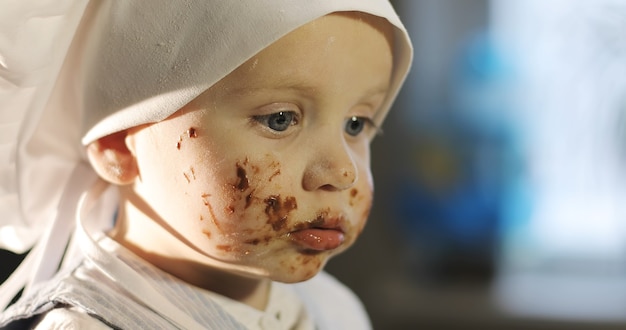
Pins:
x: 268, y: 170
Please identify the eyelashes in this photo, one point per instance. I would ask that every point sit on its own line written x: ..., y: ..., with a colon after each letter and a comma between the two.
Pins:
x: 355, y: 125
x: 278, y: 121
x: 281, y: 122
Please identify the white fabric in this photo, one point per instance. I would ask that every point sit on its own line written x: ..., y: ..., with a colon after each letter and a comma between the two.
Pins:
x: 35, y: 161
x: 69, y: 319
x: 72, y: 71
x: 284, y: 310
x: 340, y: 309
x: 43, y: 261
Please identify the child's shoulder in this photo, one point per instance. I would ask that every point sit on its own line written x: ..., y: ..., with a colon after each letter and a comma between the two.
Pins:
x: 332, y: 304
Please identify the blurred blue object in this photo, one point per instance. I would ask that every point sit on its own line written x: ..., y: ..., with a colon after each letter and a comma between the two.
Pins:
x: 464, y: 166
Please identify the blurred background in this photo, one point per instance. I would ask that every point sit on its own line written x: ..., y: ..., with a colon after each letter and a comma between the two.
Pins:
x: 501, y: 173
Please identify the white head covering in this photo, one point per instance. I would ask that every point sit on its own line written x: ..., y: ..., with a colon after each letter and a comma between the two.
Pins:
x: 72, y: 71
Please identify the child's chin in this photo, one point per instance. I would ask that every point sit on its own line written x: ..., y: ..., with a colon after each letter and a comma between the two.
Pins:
x: 300, y: 273
x: 296, y: 278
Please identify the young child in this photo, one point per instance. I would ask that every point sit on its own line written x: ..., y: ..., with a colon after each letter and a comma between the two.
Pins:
x: 233, y: 137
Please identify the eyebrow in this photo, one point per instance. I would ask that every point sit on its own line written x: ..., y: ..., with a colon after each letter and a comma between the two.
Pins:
x: 285, y: 84
x: 297, y: 86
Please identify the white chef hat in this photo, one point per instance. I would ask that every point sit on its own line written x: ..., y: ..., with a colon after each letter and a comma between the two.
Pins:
x: 72, y: 71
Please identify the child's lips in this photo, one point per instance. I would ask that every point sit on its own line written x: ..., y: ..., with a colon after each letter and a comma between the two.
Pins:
x: 323, y: 233
x: 318, y: 239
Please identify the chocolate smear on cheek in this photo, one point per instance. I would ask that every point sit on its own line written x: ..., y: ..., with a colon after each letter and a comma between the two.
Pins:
x: 278, y: 210
x: 243, y: 183
x: 249, y: 199
x: 205, y: 200
x: 242, y: 179
x: 190, y: 175
x: 277, y: 172
x: 353, y: 193
x: 225, y: 248
x: 257, y: 241
x: 191, y: 133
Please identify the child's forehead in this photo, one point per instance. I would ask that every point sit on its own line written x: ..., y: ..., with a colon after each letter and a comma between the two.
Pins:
x: 293, y: 62
x: 293, y: 57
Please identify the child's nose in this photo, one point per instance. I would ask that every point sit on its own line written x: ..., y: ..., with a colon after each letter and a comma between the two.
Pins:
x: 332, y: 168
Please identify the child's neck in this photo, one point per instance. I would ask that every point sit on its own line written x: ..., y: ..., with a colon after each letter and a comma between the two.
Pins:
x: 250, y: 291
x: 139, y: 236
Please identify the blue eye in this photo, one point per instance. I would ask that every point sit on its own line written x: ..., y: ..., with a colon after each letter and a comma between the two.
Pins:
x: 278, y: 121
x: 355, y: 125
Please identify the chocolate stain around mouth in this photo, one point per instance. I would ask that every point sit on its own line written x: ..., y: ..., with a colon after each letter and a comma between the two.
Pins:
x: 278, y: 210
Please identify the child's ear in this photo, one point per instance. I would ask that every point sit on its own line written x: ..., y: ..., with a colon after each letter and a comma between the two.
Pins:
x: 112, y: 159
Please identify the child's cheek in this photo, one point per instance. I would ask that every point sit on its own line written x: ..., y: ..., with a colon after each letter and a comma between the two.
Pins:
x: 365, y: 212
x: 248, y: 208
x: 360, y: 199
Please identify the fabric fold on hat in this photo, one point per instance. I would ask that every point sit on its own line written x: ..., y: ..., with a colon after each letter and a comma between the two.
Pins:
x: 34, y: 40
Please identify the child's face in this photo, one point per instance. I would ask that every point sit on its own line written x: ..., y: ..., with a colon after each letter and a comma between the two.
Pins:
x: 268, y: 171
